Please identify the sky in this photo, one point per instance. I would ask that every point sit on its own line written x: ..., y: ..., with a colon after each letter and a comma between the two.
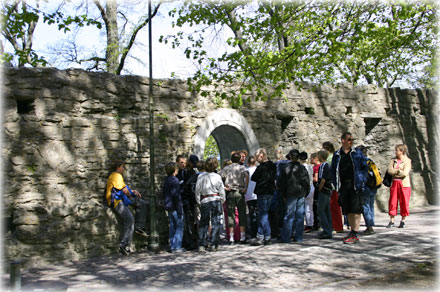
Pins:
x: 165, y: 59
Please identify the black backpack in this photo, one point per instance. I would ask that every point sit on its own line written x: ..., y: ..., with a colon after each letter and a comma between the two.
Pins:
x: 294, y: 180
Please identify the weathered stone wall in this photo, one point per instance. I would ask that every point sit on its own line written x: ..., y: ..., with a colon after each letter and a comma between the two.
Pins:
x: 62, y: 128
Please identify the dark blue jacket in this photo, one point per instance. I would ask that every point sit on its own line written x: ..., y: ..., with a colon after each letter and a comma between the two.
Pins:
x: 360, y: 169
x: 171, y: 193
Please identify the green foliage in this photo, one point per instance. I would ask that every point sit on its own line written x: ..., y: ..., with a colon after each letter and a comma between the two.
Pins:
x: 162, y: 116
x: 211, y: 148
x: 32, y: 168
x: 19, y: 20
x: 275, y: 44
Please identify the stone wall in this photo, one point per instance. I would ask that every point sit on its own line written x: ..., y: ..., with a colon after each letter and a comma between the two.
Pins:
x: 62, y: 128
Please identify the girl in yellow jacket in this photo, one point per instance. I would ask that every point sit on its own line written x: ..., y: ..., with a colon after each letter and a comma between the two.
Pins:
x: 400, y: 191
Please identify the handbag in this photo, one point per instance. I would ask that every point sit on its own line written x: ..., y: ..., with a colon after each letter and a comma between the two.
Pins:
x: 387, y: 180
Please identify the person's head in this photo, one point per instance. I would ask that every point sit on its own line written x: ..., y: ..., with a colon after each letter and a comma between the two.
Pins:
x: 347, y: 140
x: 279, y: 154
x: 118, y: 166
x: 314, y: 158
x: 201, y: 165
x: 401, y: 150
x: 181, y: 161
x: 328, y: 146
x: 211, y: 164
x: 251, y: 161
x: 303, y: 156
x: 192, y: 161
x: 322, y: 155
x: 227, y: 162
x: 294, y: 154
x: 235, y: 157
x: 171, y: 168
x: 243, y: 155
x: 261, y: 155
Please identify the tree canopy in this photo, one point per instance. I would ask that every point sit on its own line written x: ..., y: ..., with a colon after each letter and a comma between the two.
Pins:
x: 275, y: 44
x: 19, y: 20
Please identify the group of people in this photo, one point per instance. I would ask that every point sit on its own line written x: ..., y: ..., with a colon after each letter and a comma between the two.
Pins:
x: 238, y: 201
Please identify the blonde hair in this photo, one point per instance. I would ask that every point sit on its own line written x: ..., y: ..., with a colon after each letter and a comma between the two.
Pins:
x: 261, y: 151
x: 403, y: 148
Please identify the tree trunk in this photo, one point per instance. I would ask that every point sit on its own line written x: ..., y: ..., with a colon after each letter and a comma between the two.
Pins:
x: 112, y: 52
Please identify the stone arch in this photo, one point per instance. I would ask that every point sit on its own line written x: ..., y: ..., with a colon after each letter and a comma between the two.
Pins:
x: 230, y: 130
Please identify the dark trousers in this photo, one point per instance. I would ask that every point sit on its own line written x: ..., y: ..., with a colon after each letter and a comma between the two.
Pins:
x: 189, y: 229
x: 253, y: 217
x: 315, y: 208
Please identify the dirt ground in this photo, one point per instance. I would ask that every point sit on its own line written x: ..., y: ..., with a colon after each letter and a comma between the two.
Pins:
x: 424, y: 277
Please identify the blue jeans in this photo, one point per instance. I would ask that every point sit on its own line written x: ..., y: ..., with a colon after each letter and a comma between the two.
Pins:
x: 369, y: 198
x: 263, y: 202
x: 295, y: 208
x: 324, y: 215
x: 213, y: 211
x: 176, y: 230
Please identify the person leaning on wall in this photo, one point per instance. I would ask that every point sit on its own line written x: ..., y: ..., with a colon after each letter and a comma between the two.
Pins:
x: 400, y: 190
x: 119, y: 196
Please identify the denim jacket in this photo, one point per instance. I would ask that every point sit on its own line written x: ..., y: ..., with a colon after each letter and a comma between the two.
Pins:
x: 360, y: 168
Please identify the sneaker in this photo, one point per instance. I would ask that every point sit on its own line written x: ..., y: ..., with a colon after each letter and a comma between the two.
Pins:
x: 390, y: 224
x: 231, y: 242
x: 179, y: 250
x: 141, y: 232
x: 213, y: 248
x: 243, y: 241
x: 352, y: 238
x: 402, y: 224
x: 368, y: 231
x: 257, y: 242
x: 324, y: 236
x: 307, y: 229
x: 201, y: 249
x: 124, y: 250
x: 267, y: 242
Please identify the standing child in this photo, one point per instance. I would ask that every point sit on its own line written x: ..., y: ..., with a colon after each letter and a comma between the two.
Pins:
x: 173, y: 204
x: 251, y: 198
x: 324, y: 193
x: 309, y: 197
x: 315, y: 162
x: 210, y: 194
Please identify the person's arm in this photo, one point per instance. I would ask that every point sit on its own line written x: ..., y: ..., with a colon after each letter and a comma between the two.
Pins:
x: 221, y: 189
x: 406, y: 168
x: 246, y: 182
x: 315, y: 177
x: 281, y: 182
x: 256, y: 176
x: 131, y: 193
x: 391, y: 169
x: 198, y: 191
x: 175, y: 195
x: 321, y: 184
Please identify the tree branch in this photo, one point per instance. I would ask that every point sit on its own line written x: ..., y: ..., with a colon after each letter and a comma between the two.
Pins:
x: 126, y: 50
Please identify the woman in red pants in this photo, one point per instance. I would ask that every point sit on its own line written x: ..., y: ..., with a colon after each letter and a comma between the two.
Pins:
x: 400, y: 190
